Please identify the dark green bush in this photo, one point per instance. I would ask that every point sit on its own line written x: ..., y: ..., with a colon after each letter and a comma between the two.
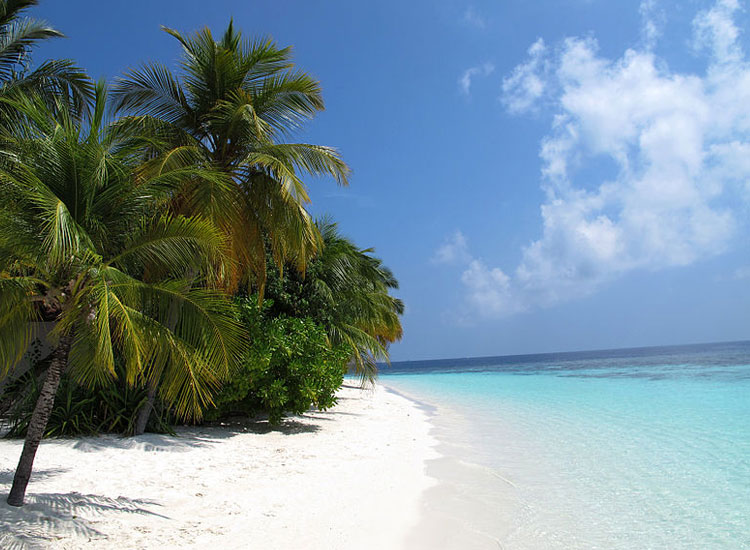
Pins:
x: 79, y: 411
x: 289, y: 367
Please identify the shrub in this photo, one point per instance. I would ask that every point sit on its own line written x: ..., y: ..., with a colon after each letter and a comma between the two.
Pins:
x: 288, y: 368
x: 79, y: 411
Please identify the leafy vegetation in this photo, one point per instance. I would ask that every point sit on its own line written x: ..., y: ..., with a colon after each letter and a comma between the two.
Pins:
x: 346, y: 290
x: 147, y: 241
x: 289, y: 367
x: 230, y: 106
x: 111, y: 408
x: 79, y: 231
x: 51, y: 79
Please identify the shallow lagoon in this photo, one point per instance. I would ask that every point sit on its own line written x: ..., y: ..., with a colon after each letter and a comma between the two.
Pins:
x: 645, y: 448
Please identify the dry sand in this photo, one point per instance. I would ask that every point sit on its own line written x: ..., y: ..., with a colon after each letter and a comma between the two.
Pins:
x: 351, y: 477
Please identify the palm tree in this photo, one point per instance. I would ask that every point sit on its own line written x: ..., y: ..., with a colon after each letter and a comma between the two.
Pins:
x: 79, y: 241
x: 363, y: 316
x: 346, y: 290
x: 231, y: 106
x: 18, y: 35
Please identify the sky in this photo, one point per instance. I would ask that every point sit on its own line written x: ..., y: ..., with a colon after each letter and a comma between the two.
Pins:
x: 541, y: 176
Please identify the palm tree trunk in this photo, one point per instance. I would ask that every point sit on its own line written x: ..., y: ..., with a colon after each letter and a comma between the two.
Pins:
x: 145, y: 411
x: 38, y: 423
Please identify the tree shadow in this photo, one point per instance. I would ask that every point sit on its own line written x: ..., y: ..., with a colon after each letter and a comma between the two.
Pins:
x: 352, y: 386
x: 49, y: 516
x: 239, y: 425
x: 186, y: 439
x: 6, y: 476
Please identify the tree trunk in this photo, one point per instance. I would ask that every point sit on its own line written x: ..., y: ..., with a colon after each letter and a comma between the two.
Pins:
x: 173, y: 316
x: 145, y: 411
x: 38, y: 423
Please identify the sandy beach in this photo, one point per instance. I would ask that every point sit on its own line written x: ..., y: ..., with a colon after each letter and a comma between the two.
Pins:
x: 350, y: 477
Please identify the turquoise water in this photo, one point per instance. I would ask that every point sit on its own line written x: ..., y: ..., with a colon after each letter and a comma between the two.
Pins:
x: 646, y: 448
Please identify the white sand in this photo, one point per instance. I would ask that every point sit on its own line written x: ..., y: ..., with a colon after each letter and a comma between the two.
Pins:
x: 349, y: 478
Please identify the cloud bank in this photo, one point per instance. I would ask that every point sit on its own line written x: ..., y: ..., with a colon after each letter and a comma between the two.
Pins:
x: 679, y: 145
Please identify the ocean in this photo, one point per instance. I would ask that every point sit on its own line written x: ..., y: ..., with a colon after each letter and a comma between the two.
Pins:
x: 617, y: 449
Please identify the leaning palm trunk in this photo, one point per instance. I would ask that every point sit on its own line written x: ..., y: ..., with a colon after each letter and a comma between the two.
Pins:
x: 145, y: 411
x: 38, y: 423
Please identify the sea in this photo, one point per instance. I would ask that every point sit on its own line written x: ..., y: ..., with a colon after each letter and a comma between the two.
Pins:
x: 616, y: 449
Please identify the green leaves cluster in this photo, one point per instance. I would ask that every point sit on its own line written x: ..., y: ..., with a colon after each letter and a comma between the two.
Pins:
x: 111, y: 408
x: 129, y: 223
x: 231, y: 105
x: 347, y: 291
x: 84, y: 244
x: 289, y: 366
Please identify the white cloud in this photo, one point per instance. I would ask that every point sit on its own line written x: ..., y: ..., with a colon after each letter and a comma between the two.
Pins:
x: 715, y: 30
x: 679, y: 146
x: 472, y: 18
x: 489, y: 290
x: 454, y: 250
x: 652, y: 21
x: 527, y: 82
x: 464, y: 83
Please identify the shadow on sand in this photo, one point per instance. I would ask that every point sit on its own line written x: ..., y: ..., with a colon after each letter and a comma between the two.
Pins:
x: 49, y: 516
x: 236, y: 426
x: 6, y: 476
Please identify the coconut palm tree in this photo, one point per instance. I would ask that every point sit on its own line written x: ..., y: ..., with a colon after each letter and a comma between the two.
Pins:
x: 18, y: 35
x: 82, y: 247
x: 363, y: 316
x: 231, y: 106
x: 346, y: 290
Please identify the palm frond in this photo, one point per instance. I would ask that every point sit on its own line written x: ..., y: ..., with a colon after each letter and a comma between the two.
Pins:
x: 172, y: 244
x: 10, y: 10
x: 17, y: 313
x: 16, y: 39
x: 153, y: 91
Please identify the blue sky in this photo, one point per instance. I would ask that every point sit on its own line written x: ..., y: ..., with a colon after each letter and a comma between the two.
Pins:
x: 541, y: 176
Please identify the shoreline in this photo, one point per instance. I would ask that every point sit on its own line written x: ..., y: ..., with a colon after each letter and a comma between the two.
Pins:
x: 470, y: 505
x: 350, y: 477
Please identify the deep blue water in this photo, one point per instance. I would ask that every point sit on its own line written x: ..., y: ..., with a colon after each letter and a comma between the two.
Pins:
x: 633, y: 448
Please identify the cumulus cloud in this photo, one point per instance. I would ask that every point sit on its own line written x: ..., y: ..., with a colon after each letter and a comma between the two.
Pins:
x: 454, y: 250
x: 678, y: 145
x: 527, y: 82
x: 489, y: 290
x: 464, y: 83
x: 715, y: 30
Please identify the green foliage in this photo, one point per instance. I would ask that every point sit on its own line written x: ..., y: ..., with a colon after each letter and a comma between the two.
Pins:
x: 85, y: 246
x: 120, y: 234
x: 233, y: 104
x: 346, y: 290
x: 288, y: 368
x: 19, y: 34
x: 78, y: 411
